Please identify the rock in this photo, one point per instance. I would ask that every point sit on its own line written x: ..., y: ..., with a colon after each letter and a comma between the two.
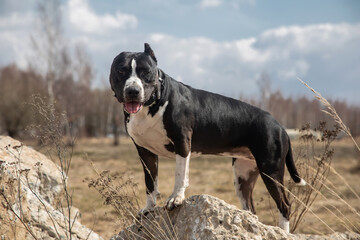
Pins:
x: 41, y: 187
x: 207, y: 217
x: 346, y: 235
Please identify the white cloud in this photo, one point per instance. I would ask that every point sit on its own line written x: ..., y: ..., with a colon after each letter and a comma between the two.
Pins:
x: 247, y: 52
x: 16, y: 20
x: 312, y: 38
x: 14, y: 38
x: 324, y: 52
x: 85, y: 20
x: 14, y: 48
x: 223, y: 67
x: 298, y: 68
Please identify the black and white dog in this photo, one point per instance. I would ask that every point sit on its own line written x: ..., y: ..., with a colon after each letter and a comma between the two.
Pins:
x: 168, y: 118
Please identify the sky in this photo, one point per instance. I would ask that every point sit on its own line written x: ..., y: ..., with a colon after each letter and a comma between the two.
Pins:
x: 222, y: 46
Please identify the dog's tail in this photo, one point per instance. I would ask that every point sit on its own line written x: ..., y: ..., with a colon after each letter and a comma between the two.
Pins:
x: 292, y: 168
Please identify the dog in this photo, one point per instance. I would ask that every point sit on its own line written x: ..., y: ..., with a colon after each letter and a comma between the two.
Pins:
x: 167, y: 118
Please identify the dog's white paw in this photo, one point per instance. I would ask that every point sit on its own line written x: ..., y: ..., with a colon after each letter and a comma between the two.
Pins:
x: 144, y: 212
x: 173, y: 201
x: 150, y: 204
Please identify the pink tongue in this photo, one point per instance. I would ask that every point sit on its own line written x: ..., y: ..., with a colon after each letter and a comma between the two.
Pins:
x: 132, y: 107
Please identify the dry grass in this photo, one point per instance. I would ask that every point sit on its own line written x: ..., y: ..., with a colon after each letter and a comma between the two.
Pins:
x: 338, y: 211
x: 208, y: 174
x: 50, y: 134
x: 331, y: 111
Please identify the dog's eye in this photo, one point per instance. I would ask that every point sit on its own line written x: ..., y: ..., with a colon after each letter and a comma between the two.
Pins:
x: 146, y: 74
x: 122, y: 71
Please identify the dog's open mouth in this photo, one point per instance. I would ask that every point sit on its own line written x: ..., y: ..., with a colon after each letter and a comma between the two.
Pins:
x: 132, y: 107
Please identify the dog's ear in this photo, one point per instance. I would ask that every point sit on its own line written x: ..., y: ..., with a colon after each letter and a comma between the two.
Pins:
x: 149, y: 51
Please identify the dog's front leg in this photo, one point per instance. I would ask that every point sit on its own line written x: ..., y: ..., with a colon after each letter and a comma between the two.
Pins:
x: 181, y: 182
x: 150, y: 164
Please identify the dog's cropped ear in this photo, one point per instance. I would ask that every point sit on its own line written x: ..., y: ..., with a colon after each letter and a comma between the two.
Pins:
x: 149, y: 51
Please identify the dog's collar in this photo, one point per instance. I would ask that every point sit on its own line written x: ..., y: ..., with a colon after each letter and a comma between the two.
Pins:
x: 154, y: 96
x: 161, y: 84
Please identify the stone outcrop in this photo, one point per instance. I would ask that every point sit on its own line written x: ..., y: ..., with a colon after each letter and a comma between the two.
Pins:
x: 31, y: 187
x: 207, y: 217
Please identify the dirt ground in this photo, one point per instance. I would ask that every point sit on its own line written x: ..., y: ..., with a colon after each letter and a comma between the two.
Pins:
x: 208, y: 175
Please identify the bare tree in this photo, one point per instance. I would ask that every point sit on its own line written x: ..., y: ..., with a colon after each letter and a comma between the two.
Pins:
x: 117, y: 121
x: 73, y: 92
x: 50, y: 55
x: 97, y: 118
x: 17, y: 86
x: 83, y: 67
x: 264, y: 84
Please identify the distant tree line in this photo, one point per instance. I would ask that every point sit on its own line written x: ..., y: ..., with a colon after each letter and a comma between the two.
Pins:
x: 94, y: 112
x: 89, y: 112
x: 294, y: 112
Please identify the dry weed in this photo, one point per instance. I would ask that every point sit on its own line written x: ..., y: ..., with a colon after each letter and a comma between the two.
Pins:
x: 120, y: 191
x: 315, y: 165
x: 310, y: 157
x: 50, y: 134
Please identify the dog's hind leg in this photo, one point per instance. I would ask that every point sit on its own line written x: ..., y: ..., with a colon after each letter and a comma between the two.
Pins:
x: 270, y: 157
x: 276, y: 190
x: 245, y: 176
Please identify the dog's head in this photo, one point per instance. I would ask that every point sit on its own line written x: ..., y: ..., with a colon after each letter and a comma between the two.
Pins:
x: 134, y: 78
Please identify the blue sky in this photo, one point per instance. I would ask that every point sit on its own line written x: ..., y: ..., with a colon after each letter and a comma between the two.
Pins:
x: 218, y: 45
x: 230, y: 19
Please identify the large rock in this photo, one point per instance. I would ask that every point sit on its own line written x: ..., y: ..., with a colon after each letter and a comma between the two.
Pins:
x: 29, y: 174
x: 207, y: 217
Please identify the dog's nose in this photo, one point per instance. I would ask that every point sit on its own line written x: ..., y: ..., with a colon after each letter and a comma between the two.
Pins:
x: 132, y: 92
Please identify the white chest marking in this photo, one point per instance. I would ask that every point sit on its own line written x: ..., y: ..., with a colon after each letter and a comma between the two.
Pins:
x: 148, y: 131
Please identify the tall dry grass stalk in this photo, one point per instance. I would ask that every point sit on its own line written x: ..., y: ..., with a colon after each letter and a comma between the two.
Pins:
x: 315, y: 169
x: 301, y: 202
x: 47, y: 132
x: 120, y: 191
x: 315, y: 152
x: 50, y: 133
x: 313, y: 160
x: 333, y: 170
x: 332, y: 113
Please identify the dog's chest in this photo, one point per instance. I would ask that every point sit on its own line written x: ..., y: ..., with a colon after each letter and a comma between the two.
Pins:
x: 148, y: 131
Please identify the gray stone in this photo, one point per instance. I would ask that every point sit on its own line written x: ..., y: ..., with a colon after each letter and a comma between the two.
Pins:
x: 210, y: 218
x: 41, y: 185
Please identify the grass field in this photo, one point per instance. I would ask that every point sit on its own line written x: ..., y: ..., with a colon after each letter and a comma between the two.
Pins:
x: 208, y: 175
